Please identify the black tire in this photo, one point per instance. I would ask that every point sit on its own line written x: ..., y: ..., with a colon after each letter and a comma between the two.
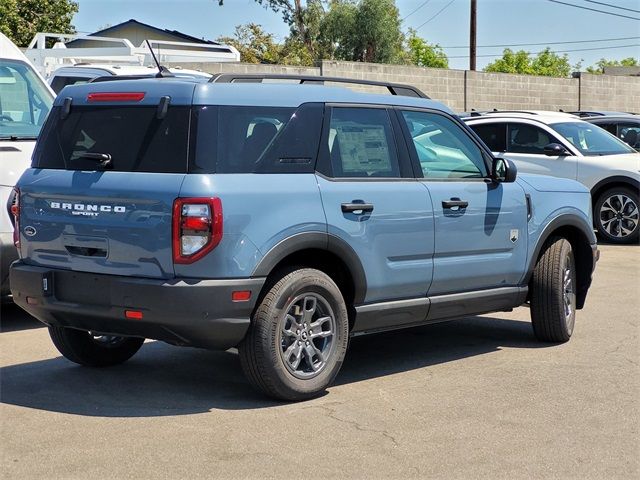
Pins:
x: 553, y: 300
x: 81, y: 347
x: 610, y: 214
x: 263, y: 351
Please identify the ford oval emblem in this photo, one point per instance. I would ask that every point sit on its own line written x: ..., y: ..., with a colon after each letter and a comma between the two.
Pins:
x: 30, y: 231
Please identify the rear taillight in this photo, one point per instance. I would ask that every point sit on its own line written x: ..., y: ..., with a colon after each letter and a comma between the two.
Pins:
x: 15, y: 212
x: 197, y: 228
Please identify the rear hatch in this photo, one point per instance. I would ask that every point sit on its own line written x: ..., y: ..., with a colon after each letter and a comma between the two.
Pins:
x: 106, y: 170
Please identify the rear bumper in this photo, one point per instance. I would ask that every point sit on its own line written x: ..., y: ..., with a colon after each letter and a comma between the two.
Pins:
x: 192, y: 312
x: 8, y: 254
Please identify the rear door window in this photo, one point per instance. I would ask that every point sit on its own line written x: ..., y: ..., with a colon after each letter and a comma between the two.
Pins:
x: 494, y: 135
x: 361, y: 143
x: 133, y: 138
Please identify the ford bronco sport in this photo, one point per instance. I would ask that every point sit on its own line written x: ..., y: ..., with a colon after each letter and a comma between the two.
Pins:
x: 281, y: 219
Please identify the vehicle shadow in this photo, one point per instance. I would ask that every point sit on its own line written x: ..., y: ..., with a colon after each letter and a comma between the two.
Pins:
x: 13, y: 319
x: 162, y: 380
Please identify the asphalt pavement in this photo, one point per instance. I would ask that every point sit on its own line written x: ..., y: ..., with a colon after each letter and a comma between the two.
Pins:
x: 473, y: 398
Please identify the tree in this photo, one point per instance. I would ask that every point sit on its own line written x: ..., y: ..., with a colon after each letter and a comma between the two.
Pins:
x: 254, y: 44
x: 546, y: 63
x: 20, y: 20
x: 423, y: 54
x: 599, y: 67
x: 365, y: 31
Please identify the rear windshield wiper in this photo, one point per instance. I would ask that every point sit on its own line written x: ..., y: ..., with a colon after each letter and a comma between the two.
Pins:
x: 103, y: 159
x: 16, y: 138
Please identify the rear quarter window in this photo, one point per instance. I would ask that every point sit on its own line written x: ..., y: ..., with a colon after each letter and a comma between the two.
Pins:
x: 254, y: 139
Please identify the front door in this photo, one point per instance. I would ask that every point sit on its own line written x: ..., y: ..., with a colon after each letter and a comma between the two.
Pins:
x: 480, y: 225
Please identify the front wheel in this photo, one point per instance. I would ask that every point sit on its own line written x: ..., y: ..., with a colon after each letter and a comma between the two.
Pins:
x: 553, y: 292
x: 298, y: 337
x: 91, y: 350
x: 617, y: 216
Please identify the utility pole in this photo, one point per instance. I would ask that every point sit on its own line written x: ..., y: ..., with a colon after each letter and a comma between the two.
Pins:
x: 472, y: 35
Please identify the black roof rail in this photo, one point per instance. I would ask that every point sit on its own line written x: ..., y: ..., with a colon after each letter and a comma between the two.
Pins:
x: 394, y: 88
x: 111, y: 78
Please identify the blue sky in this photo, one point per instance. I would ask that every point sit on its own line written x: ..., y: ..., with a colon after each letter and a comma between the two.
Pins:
x: 499, y: 22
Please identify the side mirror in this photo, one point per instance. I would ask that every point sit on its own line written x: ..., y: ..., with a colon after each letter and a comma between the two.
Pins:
x: 555, y: 150
x: 504, y: 171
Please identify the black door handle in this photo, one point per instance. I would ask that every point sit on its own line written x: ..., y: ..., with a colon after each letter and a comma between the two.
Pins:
x: 357, y: 207
x: 455, y: 203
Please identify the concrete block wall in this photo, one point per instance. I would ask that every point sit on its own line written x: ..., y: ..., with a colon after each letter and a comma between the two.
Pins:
x: 486, y: 91
x: 250, y: 68
x: 446, y: 86
x: 609, y: 92
x: 463, y: 90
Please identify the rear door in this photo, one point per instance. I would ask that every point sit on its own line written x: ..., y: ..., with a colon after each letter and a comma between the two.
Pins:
x: 480, y: 226
x: 373, y: 202
x: 99, y: 197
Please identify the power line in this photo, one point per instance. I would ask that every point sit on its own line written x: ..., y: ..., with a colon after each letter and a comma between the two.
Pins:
x: 414, y: 11
x: 558, y: 51
x: 613, y: 6
x: 548, y: 43
x: 594, y: 10
x: 439, y: 12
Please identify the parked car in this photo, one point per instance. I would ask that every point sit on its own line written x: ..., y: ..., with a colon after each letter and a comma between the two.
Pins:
x: 281, y: 219
x: 562, y: 145
x: 79, y: 74
x: 625, y: 127
x: 25, y: 101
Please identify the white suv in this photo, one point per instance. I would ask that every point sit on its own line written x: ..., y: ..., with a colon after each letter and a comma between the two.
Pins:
x: 562, y: 145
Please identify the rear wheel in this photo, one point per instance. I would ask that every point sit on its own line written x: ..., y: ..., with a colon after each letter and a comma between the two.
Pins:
x: 298, y: 338
x: 91, y: 350
x: 553, y: 292
x: 617, y: 215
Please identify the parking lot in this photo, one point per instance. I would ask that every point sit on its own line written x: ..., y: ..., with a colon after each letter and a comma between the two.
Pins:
x: 473, y: 398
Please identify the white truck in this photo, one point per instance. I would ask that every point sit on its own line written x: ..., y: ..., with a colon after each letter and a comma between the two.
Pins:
x: 25, y: 101
x: 62, y: 63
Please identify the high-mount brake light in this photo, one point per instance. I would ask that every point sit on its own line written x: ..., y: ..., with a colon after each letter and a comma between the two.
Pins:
x: 15, y: 211
x: 115, y: 96
x: 197, y: 228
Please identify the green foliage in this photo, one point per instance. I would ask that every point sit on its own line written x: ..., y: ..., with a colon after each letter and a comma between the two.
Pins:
x: 599, y: 67
x: 545, y: 63
x: 423, y: 54
x: 364, y: 30
x: 254, y: 44
x: 20, y: 20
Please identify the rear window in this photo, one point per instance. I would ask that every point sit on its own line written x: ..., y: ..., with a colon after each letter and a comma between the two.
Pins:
x: 243, y: 139
x: 133, y: 138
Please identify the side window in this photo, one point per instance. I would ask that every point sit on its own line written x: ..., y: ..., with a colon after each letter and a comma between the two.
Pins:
x: 630, y: 134
x: 361, y: 143
x: 525, y: 138
x: 609, y: 127
x: 494, y: 135
x: 255, y: 139
x: 58, y: 83
x: 443, y: 148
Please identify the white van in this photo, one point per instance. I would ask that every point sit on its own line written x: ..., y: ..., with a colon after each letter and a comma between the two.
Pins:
x: 25, y: 101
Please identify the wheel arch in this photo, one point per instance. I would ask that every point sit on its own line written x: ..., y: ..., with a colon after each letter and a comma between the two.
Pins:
x: 612, y: 182
x: 322, y: 251
x: 582, y: 240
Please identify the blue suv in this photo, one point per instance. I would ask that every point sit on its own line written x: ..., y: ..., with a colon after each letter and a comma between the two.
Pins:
x: 281, y: 219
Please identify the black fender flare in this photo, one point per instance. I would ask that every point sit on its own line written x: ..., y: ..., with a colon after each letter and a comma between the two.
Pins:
x: 563, y: 220
x: 320, y: 241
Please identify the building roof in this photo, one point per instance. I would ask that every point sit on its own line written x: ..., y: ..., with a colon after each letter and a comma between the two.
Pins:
x: 182, y: 36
